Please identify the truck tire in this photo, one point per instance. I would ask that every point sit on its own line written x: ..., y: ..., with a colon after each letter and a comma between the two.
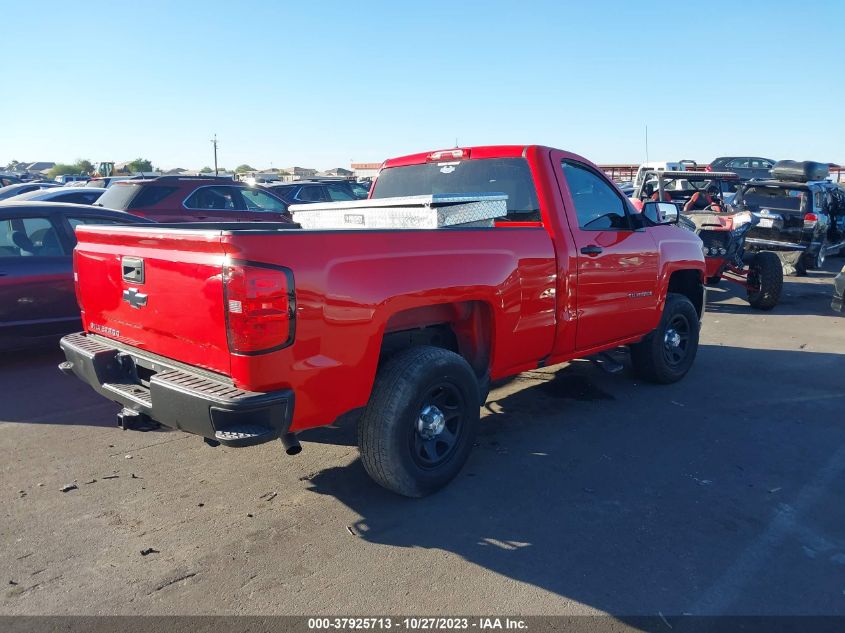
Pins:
x: 420, y: 423
x: 765, y: 281
x: 666, y: 355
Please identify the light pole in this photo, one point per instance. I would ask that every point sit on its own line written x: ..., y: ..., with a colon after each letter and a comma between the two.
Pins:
x: 214, y: 142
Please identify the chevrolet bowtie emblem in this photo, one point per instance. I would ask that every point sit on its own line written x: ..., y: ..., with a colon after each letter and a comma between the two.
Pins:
x: 134, y: 298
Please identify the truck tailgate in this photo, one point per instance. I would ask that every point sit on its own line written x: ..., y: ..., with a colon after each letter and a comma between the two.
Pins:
x: 157, y: 289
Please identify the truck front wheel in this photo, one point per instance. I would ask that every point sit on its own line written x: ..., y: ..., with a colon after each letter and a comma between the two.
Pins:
x: 420, y: 423
x: 666, y: 355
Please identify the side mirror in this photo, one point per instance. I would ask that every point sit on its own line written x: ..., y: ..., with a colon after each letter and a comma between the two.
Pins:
x: 661, y: 212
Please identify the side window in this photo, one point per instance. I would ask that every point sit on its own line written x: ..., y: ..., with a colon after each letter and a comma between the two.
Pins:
x: 338, y: 193
x: 739, y: 163
x: 214, y: 198
x: 29, y: 237
x: 285, y: 193
x: 597, y: 204
x: 81, y: 197
x: 311, y: 193
x: 150, y: 196
x: 259, y: 201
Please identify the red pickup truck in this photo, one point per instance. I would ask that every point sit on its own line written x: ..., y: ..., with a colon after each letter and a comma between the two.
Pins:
x: 245, y: 333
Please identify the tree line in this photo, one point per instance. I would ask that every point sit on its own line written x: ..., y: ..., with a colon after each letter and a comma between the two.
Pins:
x: 85, y: 167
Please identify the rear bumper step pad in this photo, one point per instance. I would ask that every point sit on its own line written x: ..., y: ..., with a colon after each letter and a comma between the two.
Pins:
x: 178, y: 398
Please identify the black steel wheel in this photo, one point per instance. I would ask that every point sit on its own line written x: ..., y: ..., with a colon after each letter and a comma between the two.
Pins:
x: 676, y: 340
x: 667, y: 353
x: 436, y: 432
x: 764, y: 281
x: 418, y: 428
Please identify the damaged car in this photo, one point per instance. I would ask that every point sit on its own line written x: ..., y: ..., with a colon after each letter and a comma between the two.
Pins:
x: 701, y: 199
x: 801, y: 215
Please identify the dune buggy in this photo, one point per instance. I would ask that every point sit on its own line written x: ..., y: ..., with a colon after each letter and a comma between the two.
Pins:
x: 701, y: 198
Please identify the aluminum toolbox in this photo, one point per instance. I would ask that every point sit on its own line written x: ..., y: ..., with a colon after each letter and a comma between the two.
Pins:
x: 410, y: 212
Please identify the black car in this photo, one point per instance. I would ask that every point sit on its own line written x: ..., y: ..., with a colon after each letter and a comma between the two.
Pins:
x: 8, y: 179
x: 37, y: 297
x: 745, y: 167
x: 308, y: 191
x: 801, y: 214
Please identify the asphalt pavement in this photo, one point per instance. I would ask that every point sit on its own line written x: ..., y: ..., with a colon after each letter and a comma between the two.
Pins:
x: 587, y: 493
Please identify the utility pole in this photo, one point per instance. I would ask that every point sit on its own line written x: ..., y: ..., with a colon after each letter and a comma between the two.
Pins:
x: 646, y: 143
x: 214, y: 142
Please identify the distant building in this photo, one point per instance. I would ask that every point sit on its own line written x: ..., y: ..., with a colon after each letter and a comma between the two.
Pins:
x: 337, y: 172
x: 365, y: 170
x: 300, y: 173
x: 42, y: 166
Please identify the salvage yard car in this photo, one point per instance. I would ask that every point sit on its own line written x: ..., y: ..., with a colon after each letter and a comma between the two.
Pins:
x: 194, y: 199
x: 801, y: 214
x: 73, y: 195
x: 37, y: 299
x: 701, y: 196
x: 307, y: 191
x: 248, y: 333
x: 745, y: 167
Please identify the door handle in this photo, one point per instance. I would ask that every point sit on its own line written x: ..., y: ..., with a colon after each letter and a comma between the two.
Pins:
x: 592, y: 249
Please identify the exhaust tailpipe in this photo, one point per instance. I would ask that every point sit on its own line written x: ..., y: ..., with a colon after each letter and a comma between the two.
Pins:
x: 291, y: 444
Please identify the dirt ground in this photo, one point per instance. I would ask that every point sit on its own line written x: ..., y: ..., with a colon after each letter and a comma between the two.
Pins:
x: 587, y: 493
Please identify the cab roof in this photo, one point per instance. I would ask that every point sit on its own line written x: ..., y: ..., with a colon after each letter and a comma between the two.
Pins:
x: 480, y: 151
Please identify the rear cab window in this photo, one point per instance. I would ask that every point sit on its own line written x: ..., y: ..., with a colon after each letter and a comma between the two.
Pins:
x: 119, y: 196
x: 510, y: 176
x: 136, y: 196
x: 781, y: 198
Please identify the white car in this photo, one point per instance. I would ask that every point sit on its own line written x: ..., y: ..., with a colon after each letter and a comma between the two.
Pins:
x: 656, y: 166
x: 77, y: 195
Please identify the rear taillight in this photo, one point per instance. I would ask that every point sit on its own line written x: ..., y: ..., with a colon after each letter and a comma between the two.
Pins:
x: 708, y: 168
x: 259, y: 307
x: 810, y: 219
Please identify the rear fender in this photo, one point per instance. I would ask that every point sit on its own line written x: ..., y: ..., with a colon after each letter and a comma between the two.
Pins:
x: 470, y: 323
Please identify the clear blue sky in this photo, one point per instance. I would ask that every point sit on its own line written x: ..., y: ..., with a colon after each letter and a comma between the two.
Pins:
x: 320, y: 83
